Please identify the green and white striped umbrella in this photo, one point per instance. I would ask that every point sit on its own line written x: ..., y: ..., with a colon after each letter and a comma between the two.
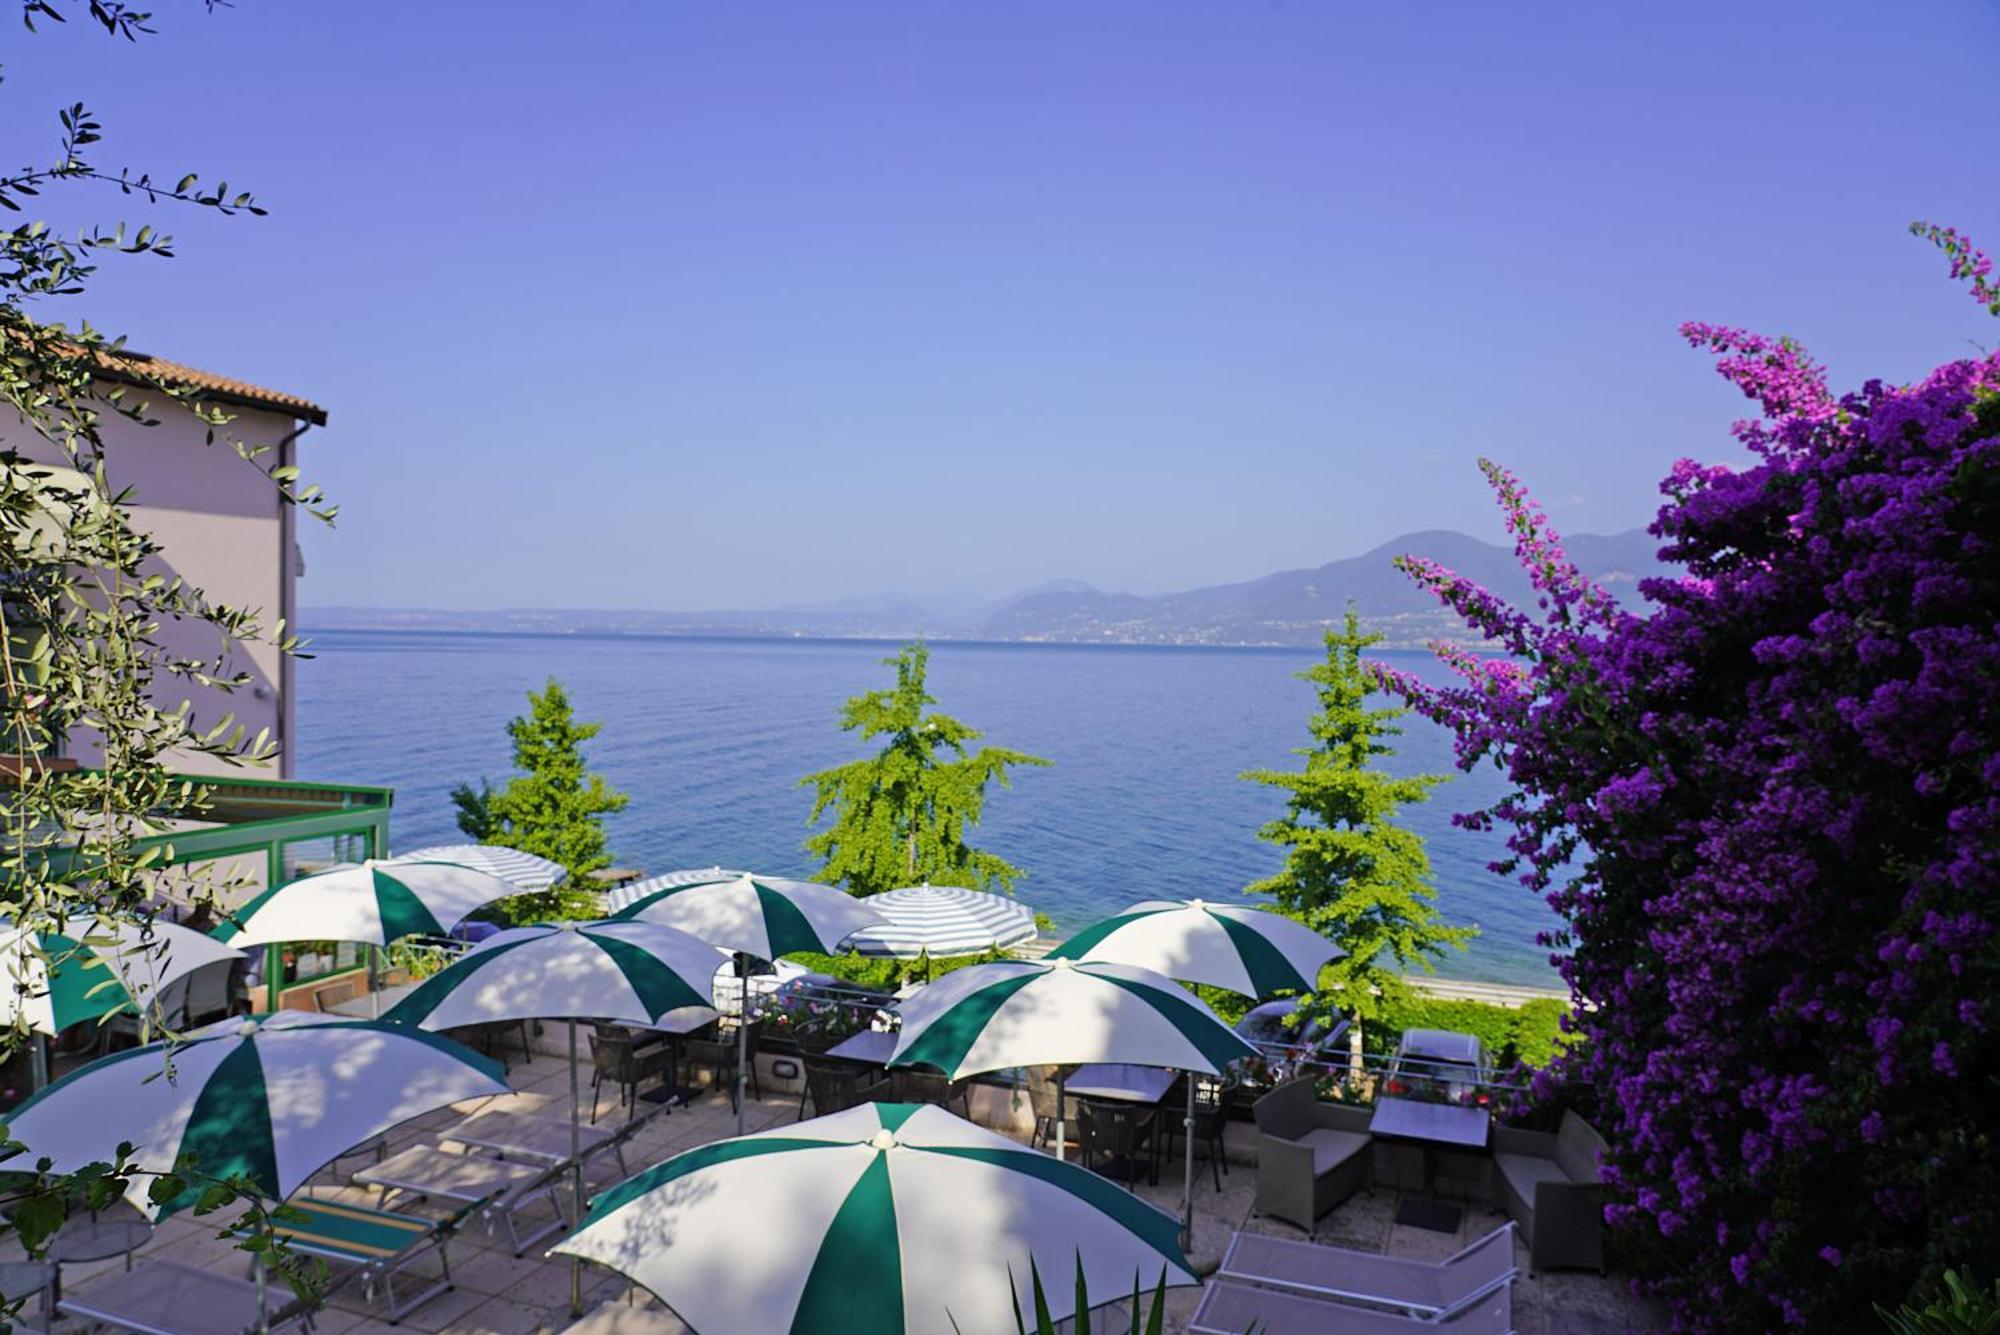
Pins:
x: 1252, y: 951
x: 84, y: 970
x: 760, y: 916
x: 887, y: 1218
x: 275, y: 1098
x: 634, y: 973
x: 991, y: 1017
x: 374, y: 902
x: 1249, y: 950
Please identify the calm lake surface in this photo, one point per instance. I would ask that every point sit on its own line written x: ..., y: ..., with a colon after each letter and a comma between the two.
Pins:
x: 710, y: 738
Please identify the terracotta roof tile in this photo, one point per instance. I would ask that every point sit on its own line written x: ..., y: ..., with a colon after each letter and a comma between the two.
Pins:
x: 217, y: 386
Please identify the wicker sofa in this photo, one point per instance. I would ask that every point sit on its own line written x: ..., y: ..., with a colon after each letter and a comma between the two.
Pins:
x: 1548, y: 1183
x: 1311, y: 1156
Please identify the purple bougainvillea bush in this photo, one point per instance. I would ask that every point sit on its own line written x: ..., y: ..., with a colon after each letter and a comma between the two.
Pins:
x: 1767, y: 808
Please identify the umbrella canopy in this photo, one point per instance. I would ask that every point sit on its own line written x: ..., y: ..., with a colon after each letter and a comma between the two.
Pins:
x: 621, y: 897
x: 761, y: 916
x: 85, y: 970
x: 889, y: 1218
x: 275, y: 1098
x: 629, y: 972
x: 990, y: 1017
x: 1249, y: 950
x: 942, y: 921
x: 635, y: 973
x: 523, y: 871
x: 373, y: 902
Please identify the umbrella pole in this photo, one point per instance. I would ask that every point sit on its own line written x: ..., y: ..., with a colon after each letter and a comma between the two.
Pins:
x: 1187, y: 1187
x: 1062, y: 1134
x: 576, y: 1168
x: 38, y: 1061
x: 742, y: 1040
x: 263, y: 1301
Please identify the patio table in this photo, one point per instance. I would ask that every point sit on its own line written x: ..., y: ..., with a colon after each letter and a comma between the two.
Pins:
x: 18, y: 1279
x: 519, y: 1135
x: 94, y: 1238
x: 167, y: 1298
x: 364, y: 1007
x: 1116, y: 1080
x: 467, y: 1179
x: 1430, y: 1125
x: 870, y: 1045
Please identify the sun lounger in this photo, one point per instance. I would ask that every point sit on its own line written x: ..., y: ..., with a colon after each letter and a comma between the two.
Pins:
x: 544, y: 1140
x: 167, y: 1298
x: 1230, y: 1308
x: 502, y: 1186
x: 1424, y: 1289
x: 382, y: 1243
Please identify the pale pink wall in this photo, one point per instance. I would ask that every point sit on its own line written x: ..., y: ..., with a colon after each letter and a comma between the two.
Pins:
x: 219, y: 523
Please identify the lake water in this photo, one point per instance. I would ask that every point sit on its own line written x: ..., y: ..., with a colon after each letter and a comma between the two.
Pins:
x: 710, y: 738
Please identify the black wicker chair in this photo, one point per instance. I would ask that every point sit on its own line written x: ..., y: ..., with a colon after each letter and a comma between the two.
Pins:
x: 1127, y: 1132
x: 834, y: 1085
x: 1208, y: 1121
x: 622, y: 1058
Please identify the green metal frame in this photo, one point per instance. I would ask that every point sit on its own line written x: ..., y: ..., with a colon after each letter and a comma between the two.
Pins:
x: 324, y: 811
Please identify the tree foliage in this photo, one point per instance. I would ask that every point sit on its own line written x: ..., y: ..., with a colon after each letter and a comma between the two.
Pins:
x: 1768, y: 810
x: 900, y: 816
x: 473, y: 810
x: 1351, y: 872
x: 554, y: 808
x: 83, y: 591
x: 82, y: 588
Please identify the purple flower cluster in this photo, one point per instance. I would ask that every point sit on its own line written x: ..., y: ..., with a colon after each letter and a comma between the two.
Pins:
x: 1768, y: 811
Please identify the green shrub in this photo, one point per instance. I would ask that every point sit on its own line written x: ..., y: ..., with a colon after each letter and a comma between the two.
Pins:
x: 1139, y: 1320
x: 1538, y: 1032
x: 1961, y: 1310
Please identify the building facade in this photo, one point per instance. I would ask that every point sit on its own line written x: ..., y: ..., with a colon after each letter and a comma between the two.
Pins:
x: 222, y: 528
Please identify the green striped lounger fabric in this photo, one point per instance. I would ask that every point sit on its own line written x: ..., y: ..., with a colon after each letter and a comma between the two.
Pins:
x: 382, y: 1242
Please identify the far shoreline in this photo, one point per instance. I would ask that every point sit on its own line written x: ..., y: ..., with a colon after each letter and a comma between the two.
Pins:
x: 881, y: 641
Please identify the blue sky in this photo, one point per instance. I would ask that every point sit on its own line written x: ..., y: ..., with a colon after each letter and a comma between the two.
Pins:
x: 687, y: 306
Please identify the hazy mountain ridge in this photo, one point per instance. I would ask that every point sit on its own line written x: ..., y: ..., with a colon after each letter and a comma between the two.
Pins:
x: 1286, y: 607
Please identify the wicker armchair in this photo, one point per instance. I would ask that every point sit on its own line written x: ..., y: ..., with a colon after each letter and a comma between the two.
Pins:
x: 1311, y: 1156
x: 1549, y: 1185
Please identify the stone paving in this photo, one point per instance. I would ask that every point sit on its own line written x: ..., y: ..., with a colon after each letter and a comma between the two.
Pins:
x: 496, y: 1293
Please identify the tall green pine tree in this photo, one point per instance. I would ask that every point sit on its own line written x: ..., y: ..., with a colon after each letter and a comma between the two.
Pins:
x: 900, y: 816
x: 554, y: 808
x: 1351, y: 873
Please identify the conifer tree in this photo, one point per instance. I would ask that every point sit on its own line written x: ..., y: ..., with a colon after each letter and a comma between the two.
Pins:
x: 555, y: 807
x: 1351, y: 873
x: 900, y: 816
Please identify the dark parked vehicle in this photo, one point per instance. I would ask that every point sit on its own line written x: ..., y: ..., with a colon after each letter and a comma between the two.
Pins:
x: 1439, y: 1065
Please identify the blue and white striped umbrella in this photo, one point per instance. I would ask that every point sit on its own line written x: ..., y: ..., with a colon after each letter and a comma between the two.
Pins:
x: 943, y: 921
x: 525, y: 870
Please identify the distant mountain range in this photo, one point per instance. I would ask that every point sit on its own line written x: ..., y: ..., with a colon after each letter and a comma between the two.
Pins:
x: 1287, y: 608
